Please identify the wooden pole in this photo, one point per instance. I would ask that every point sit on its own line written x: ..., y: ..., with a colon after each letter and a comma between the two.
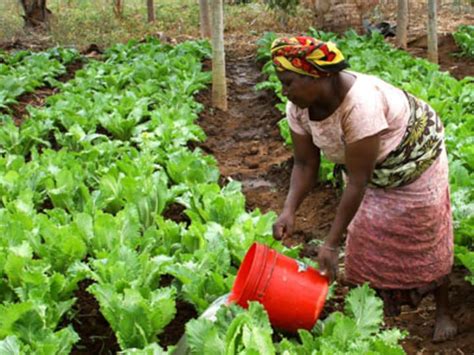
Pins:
x: 402, y: 24
x: 219, y: 86
x: 205, y: 18
x: 432, y: 32
x: 151, y: 10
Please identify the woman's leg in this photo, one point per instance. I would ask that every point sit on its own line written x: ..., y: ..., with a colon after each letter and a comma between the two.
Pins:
x: 445, y: 327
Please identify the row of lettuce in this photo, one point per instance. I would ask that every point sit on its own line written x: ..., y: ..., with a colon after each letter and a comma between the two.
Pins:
x: 464, y: 38
x: 24, y: 71
x: 452, y: 99
x: 90, y: 186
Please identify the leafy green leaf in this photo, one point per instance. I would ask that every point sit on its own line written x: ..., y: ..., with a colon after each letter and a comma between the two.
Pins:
x: 366, y: 309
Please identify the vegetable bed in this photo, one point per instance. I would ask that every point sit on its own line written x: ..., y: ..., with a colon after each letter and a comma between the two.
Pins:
x: 106, y: 206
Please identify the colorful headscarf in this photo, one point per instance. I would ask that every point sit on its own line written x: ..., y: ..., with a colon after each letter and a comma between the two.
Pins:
x: 307, y: 56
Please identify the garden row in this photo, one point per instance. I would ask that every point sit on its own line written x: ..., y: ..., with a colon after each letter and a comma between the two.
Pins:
x: 25, y: 71
x: 464, y: 37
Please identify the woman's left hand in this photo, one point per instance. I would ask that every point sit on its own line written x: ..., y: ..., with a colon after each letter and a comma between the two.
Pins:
x: 328, y: 261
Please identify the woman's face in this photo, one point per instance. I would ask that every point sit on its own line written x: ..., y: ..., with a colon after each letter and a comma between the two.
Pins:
x: 299, y: 89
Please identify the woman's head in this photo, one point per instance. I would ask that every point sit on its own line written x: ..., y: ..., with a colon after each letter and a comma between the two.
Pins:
x: 303, y: 65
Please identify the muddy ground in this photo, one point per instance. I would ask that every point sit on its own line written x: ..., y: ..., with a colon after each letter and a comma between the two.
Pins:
x: 247, y: 144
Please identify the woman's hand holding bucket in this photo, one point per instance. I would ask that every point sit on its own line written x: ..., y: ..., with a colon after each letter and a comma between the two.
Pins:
x: 328, y: 261
x: 328, y: 256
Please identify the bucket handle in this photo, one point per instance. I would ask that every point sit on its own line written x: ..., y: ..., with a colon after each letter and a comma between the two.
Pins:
x: 267, y: 282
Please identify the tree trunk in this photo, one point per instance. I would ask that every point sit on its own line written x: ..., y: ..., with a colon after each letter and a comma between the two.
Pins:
x: 432, y: 32
x: 320, y: 9
x: 205, y: 18
x: 321, y: 6
x: 219, y: 88
x: 402, y: 23
x: 151, y: 10
x: 36, y: 14
x: 118, y: 8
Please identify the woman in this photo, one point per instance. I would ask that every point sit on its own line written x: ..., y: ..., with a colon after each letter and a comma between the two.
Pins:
x: 395, y: 208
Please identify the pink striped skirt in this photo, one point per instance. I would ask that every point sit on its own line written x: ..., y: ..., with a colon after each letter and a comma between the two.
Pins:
x: 402, y: 238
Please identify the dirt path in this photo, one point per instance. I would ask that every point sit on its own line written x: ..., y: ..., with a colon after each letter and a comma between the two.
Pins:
x: 247, y: 144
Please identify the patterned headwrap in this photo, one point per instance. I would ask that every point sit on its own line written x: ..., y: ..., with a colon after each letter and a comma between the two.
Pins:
x: 307, y: 56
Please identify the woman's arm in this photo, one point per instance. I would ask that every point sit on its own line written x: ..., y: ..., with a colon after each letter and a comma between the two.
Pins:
x: 305, y: 171
x: 360, y: 163
x: 361, y: 158
x: 303, y: 178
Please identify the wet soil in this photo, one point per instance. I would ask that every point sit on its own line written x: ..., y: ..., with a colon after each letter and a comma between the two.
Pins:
x: 247, y: 144
x: 175, y: 212
x: 96, y: 335
x: 173, y: 331
x: 420, y: 322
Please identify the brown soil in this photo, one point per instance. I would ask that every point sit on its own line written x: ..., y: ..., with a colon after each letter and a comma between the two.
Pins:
x: 173, y: 331
x: 32, y: 43
x: 97, y: 337
x: 247, y: 144
x: 420, y: 322
x: 175, y: 213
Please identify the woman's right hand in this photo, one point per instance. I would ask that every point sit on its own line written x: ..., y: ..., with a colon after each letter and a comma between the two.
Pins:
x: 283, y: 227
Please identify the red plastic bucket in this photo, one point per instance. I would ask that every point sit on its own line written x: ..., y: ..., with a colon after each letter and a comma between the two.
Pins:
x: 292, y: 293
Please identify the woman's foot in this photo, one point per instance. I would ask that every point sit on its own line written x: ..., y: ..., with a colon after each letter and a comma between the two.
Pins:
x: 445, y: 327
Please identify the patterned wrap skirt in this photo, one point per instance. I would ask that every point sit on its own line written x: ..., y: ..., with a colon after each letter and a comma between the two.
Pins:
x: 401, y: 238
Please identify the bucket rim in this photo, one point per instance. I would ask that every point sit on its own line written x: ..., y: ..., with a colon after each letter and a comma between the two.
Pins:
x: 321, y: 301
x: 245, y: 282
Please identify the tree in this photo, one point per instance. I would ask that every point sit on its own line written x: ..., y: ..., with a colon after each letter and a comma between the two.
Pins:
x: 219, y: 87
x: 402, y: 23
x: 118, y: 8
x: 36, y: 15
x: 205, y: 18
x: 322, y: 6
x: 432, y: 32
x: 320, y: 9
x: 151, y: 10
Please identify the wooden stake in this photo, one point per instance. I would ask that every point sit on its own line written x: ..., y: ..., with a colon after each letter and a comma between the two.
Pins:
x: 219, y: 87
